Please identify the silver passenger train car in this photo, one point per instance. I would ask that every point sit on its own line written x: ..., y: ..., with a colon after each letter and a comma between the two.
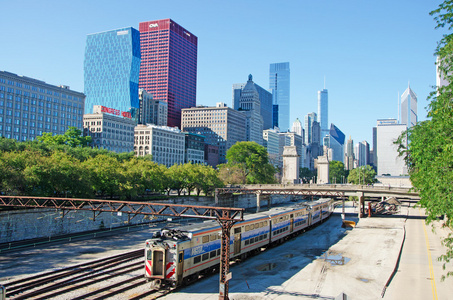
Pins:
x: 177, y: 256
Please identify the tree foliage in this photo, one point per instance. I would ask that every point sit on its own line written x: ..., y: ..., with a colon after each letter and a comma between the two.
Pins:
x: 254, y: 161
x: 337, y: 172
x: 72, y: 137
x: 37, y: 168
x: 428, y: 146
x: 305, y: 174
x: 362, y: 175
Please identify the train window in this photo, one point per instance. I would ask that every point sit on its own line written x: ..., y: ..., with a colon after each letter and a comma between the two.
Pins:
x: 180, y: 258
x: 213, y: 237
x: 205, y: 239
x: 149, y: 255
x: 197, y: 259
x: 265, y: 223
x: 205, y: 256
x: 247, y: 242
x: 265, y: 235
x: 261, y: 224
x: 218, y: 252
x: 212, y: 253
x: 237, y: 230
x: 247, y: 227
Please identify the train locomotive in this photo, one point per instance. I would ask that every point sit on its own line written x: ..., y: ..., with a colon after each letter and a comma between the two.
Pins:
x: 177, y: 256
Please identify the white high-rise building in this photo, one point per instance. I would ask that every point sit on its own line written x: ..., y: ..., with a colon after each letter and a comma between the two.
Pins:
x: 408, y: 108
x: 297, y: 127
x: 165, y: 144
x: 323, y: 114
x: 388, y: 160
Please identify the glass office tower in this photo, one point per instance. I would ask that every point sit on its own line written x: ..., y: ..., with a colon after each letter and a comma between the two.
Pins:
x: 279, y: 76
x: 408, y: 108
x: 169, y: 66
x: 111, y: 70
x: 323, y: 114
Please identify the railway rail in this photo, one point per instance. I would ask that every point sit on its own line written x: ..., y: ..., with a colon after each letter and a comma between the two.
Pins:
x: 75, y: 278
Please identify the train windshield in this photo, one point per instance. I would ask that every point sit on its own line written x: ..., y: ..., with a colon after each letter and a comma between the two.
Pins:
x: 149, y: 254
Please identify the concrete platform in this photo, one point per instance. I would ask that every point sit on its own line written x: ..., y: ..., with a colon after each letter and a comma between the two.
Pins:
x: 359, y: 263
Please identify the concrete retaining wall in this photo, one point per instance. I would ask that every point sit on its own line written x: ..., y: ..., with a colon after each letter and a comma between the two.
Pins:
x: 20, y: 225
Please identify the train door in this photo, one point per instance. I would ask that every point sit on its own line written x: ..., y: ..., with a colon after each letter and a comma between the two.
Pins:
x: 237, y: 240
x: 180, y: 265
x: 158, y: 269
x: 291, y: 224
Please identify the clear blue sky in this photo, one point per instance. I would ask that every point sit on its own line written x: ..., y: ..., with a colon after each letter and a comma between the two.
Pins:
x: 368, y: 51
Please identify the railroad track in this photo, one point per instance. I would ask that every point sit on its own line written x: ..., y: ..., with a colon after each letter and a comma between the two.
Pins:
x: 104, y: 277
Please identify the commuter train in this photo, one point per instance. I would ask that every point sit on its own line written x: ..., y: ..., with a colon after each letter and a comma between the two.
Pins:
x: 177, y: 256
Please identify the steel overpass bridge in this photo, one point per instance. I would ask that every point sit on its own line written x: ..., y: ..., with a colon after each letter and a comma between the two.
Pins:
x: 337, y: 191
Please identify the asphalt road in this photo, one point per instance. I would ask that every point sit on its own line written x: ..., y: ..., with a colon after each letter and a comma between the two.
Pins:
x: 419, y: 271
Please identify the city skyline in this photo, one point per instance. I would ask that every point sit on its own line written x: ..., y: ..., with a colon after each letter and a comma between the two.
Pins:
x: 359, y: 48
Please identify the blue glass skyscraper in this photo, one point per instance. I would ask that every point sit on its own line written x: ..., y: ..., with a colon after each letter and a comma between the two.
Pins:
x: 111, y: 70
x: 279, y: 76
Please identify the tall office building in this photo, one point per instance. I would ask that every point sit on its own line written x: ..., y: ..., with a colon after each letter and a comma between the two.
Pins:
x: 272, y: 144
x: 297, y: 127
x: 169, y: 65
x: 323, y: 112
x: 29, y: 107
x: 388, y: 160
x: 279, y: 83
x: 336, y: 143
x: 309, y: 119
x: 261, y: 95
x: 408, y: 108
x: 111, y: 70
x: 349, y: 155
x: 220, y: 125
x: 246, y: 98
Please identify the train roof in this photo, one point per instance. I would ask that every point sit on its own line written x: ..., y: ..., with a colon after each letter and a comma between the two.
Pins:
x: 194, y: 227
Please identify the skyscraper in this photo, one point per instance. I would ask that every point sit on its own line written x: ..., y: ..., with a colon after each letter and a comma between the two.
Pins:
x: 169, y: 65
x: 247, y: 100
x: 323, y: 114
x: 279, y: 83
x: 261, y: 95
x: 408, y: 108
x: 388, y: 159
x: 349, y: 156
x: 297, y: 127
x: 336, y: 143
x: 111, y: 70
x: 309, y: 119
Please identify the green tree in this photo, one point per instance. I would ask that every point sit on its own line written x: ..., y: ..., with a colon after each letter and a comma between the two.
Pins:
x: 72, y: 137
x: 210, y: 180
x: 105, y: 175
x: 232, y: 174
x: 306, y: 174
x: 428, y: 146
x: 362, y: 175
x: 337, y: 173
x: 253, y: 158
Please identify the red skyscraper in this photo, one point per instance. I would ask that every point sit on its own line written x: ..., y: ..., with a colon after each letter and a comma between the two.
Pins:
x: 168, y: 67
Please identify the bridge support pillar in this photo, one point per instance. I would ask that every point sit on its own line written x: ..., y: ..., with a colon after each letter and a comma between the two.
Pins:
x: 216, y: 197
x: 258, y: 204
x: 361, y: 211
x: 342, y: 210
